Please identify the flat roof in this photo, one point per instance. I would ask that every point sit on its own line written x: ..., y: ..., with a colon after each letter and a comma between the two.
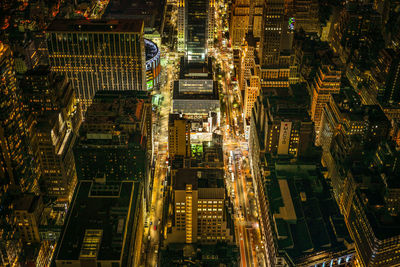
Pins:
x: 302, y: 206
x: 111, y: 26
x: 199, y: 178
x: 98, y: 211
x: 190, y: 95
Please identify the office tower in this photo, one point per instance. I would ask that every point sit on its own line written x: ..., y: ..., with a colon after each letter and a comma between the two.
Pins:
x: 181, y: 26
x: 196, y: 29
x: 249, y: 79
x: 200, y: 214
x: 14, y: 171
x: 211, y: 24
x: 239, y: 22
x: 246, y: 17
x: 50, y: 99
x: 178, y: 136
x: 307, y: 227
x: 27, y: 212
x: 367, y: 193
x: 17, y: 169
x: 357, y: 34
x: 283, y: 123
x: 43, y: 91
x: 104, y: 226
x: 274, y: 28
x: 98, y: 55
x: 386, y: 77
x: 345, y: 113
x: 279, y: 127
x: 306, y: 15
x: 256, y: 17
x: 115, y: 141
x: 196, y: 93
x: 326, y: 82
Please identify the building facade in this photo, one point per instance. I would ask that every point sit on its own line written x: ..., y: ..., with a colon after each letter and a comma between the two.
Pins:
x: 200, y: 214
x: 327, y: 82
x: 178, y: 136
x: 98, y: 55
x: 27, y: 212
x: 50, y: 100
x: 115, y: 141
x: 104, y: 227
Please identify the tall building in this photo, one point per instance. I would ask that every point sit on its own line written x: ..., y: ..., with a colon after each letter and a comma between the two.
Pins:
x: 239, y: 22
x: 306, y: 15
x: 16, y: 163
x: 115, y: 141
x: 366, y: 188
x: 200, y: 212
x: 345, y: 113
x: 196, y: 32
x: 18, y: 171
x: 181, y: 26
x: 104, y: 226
x: 308, y: 229
x: 274, y: 28
x: 386, y: 77
x: 326, y: 82
x: 27, y: 212
x: 195, y: 27
x: 279, y: 126
x: 246, y: 17
x: 211, y: 24
x: 282, y: 123
x: 249, y: 79
x: 178, y: 136
x: 98, y: 55
x: 196, y: 92
x: 50, y: 99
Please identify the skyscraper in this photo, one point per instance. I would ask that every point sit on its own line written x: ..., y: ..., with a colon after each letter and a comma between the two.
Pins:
x: 272, y: 31
x: 246, y: 17
x: 239, y: 22
x: 197, y: 29
x: 15, y: 162
x: 327, y: 82
x: 200, y: 214
x: 104, y: 227
x: 98, y: 55
x: 193, y: 28
x: 115, y: 139
x: 178, y: 136
x: 181, y: 26
x: 17, y: 172
x: 50, y: 100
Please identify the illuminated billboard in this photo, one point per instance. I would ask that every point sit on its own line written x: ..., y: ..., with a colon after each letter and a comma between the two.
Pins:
x: 284, y: 137
x: 153, y: 67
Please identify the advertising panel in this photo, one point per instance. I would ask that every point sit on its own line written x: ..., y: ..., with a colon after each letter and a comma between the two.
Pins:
x: 284, y: 137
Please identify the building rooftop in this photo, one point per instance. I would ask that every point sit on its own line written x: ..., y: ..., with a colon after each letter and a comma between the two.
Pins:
x: 117, y: 107
x: 100, y: 221
x: 111, y: 26
x: 198, y: 178
x: 195, y: 70
x: 307, y: 220
x: 177, y: 95
x: 151, y: 11
x: 285, y: 103
x: 27, y: 202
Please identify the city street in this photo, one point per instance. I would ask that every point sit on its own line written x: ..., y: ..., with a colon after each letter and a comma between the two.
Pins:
x: 153, y: 230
